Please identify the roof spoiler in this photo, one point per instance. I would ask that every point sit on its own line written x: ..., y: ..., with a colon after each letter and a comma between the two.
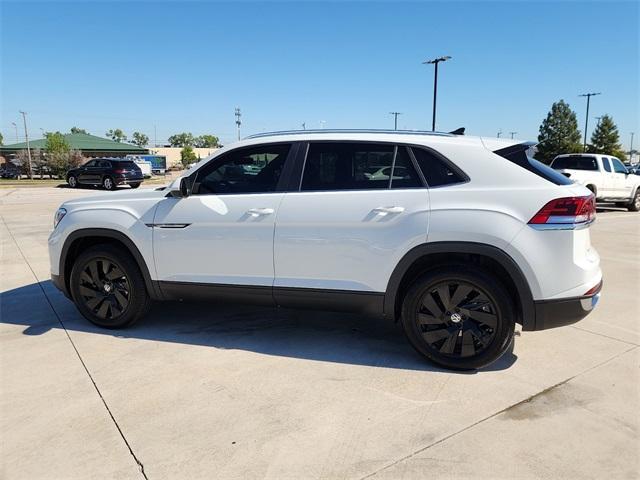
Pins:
x: 458, y: 131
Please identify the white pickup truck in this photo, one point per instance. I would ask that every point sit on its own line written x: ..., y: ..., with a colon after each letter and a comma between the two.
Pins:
x: 604, y: 175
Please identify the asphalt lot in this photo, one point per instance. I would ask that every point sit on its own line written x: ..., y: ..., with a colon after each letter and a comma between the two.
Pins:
x: 206, y: 391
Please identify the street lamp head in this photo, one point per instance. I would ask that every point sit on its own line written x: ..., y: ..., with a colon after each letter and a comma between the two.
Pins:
x: 436, y: 60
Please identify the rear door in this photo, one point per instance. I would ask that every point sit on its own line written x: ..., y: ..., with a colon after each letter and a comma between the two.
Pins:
x: 346, y: 226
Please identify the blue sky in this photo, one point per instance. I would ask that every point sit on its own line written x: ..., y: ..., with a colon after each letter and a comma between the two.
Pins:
x: 184, y: 66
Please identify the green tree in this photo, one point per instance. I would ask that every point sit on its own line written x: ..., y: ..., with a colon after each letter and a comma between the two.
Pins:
x: 140, y: 139
x: 1, y: 139
x: 558, y: 133
x: 57, y: 151
x: 181, y: 140
x: 187, y: 156
x: 606, y: 139
x: 116, y: 135
x: 206, y: 141
x: 78, y: 130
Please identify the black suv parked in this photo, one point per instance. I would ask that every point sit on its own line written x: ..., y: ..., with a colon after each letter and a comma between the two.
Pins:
x: 106, y: 172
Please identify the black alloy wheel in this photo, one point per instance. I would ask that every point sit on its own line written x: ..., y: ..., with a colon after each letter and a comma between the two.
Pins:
x: 104, y: 289
x: 459, y: 317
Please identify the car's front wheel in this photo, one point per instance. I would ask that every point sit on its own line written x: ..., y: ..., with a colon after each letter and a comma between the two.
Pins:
x: 634, y: 206
x: 108, y: 288
x: 459, y: 317
x: 72, y: 181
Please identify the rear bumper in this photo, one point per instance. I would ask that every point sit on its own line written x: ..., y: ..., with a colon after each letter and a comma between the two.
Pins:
x: 124, y: 180
x: 566, y: 311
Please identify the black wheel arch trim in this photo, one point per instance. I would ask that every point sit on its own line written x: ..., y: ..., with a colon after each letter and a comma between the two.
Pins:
x: 528, y: 313
x: 152, y: 286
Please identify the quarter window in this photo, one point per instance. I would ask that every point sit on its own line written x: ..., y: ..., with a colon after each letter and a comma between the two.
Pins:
x: 246, y: 170
x: 435, y: 170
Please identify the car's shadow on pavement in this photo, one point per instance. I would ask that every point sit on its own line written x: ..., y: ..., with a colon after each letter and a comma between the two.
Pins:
x: 305, y: 334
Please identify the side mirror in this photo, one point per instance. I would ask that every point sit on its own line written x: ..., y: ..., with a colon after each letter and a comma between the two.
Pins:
x: 183, y: 189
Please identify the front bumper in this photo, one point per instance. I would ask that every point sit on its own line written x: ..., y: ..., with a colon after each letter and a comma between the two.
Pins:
x: 566, y: 311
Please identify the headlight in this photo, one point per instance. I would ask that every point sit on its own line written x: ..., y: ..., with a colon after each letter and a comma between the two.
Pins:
x: 60, y: 213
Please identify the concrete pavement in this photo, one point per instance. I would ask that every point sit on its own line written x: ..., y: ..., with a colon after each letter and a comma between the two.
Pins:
x: 206, y: 391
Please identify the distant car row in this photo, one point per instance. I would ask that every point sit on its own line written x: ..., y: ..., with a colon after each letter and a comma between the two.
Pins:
x: 606, y: 176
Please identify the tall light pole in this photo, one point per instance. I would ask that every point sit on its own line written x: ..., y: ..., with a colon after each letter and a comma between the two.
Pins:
x: 395, y: 119
x: 598, y: 119
x: 16, y: 127
x: 26, y: 136
x: 586, y: 120
x: 499, y: 133
x: 435, y: 62
x: 238, y: 121
x: 631, y: 147
x: 512, y: 134
x: 304, y: 125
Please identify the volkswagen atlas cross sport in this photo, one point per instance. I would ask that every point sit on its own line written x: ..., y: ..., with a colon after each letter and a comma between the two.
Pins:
x: 460, y: 239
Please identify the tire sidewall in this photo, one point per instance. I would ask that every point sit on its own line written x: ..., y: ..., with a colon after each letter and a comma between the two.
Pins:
x: 491, y: 287
x: 111, y: 182
x: 72, y: 181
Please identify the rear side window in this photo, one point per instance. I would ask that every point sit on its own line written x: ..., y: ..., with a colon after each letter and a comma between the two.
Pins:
x: 521, y: 154
x: 436, y: 171
x: 606, y: 164
x: 127, y: 165
x: 575, y: 162
x: 357, y: 166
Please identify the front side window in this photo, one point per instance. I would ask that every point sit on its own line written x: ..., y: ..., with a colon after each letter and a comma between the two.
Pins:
x: 91, y: 163
x: 357, y: 166
x: 618, y: 167
x: 246, y: 170
x: 606, y: 164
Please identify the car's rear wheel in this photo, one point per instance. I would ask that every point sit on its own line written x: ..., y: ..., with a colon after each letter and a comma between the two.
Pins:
x: 634, y: 206
x: 72, y: 181
x: 135, y: 185
x: 459, y: 317
x: 108, y: 183
x: 108, y: 288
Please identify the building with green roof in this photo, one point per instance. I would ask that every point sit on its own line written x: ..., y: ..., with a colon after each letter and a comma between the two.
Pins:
x: 90, y: 146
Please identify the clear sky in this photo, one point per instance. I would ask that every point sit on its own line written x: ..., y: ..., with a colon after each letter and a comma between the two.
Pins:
x: 184, y: 66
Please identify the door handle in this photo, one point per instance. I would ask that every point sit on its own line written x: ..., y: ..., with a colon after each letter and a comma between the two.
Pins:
x: 257, y: 212
x: 387, y: 210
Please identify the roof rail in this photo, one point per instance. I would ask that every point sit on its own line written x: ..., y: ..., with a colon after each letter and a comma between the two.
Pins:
x: 349, y: 130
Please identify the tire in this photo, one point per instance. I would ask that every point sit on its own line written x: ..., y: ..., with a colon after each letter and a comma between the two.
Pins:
x: 72, y: 181
x: 634, y: 206
x: 449, y: 335
x: 108, y: 288
x: 108, y: 183
x: 135, y: 185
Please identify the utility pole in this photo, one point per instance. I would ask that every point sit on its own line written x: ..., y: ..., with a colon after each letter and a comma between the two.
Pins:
x: 26, y: 136
x: 238, y: 121
x: 499, y: 133
x: 586, y: 120
x: 435, y: 62
x: 395, y: 119
x: 512, y: 134
x: 304, y: 125
x: 631, y: 147
x: 16, y: 127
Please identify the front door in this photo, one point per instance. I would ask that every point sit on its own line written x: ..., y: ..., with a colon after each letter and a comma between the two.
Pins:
x: 223, y: 232
x: 352, y: 220
x: 88, y: 172
x: 622, y: 184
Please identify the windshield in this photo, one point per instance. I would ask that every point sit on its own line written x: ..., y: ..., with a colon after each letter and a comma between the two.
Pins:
x: 575, y: 163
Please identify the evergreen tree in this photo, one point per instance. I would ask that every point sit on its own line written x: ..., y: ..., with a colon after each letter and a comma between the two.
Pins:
x: 606, y: 139
x: 558, y: 133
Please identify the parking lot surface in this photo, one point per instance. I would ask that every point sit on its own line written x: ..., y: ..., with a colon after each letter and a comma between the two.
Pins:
x: 210, y: 391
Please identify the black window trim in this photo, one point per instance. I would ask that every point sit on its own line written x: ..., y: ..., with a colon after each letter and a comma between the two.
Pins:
x: 301, y: 160
x: 285, y: 177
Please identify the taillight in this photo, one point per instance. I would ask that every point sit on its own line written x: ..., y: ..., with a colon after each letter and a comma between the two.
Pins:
x: 565, y: 213
x: 119, y: 170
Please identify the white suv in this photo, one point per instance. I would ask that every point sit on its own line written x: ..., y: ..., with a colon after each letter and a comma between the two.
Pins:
x: 466, y: 237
